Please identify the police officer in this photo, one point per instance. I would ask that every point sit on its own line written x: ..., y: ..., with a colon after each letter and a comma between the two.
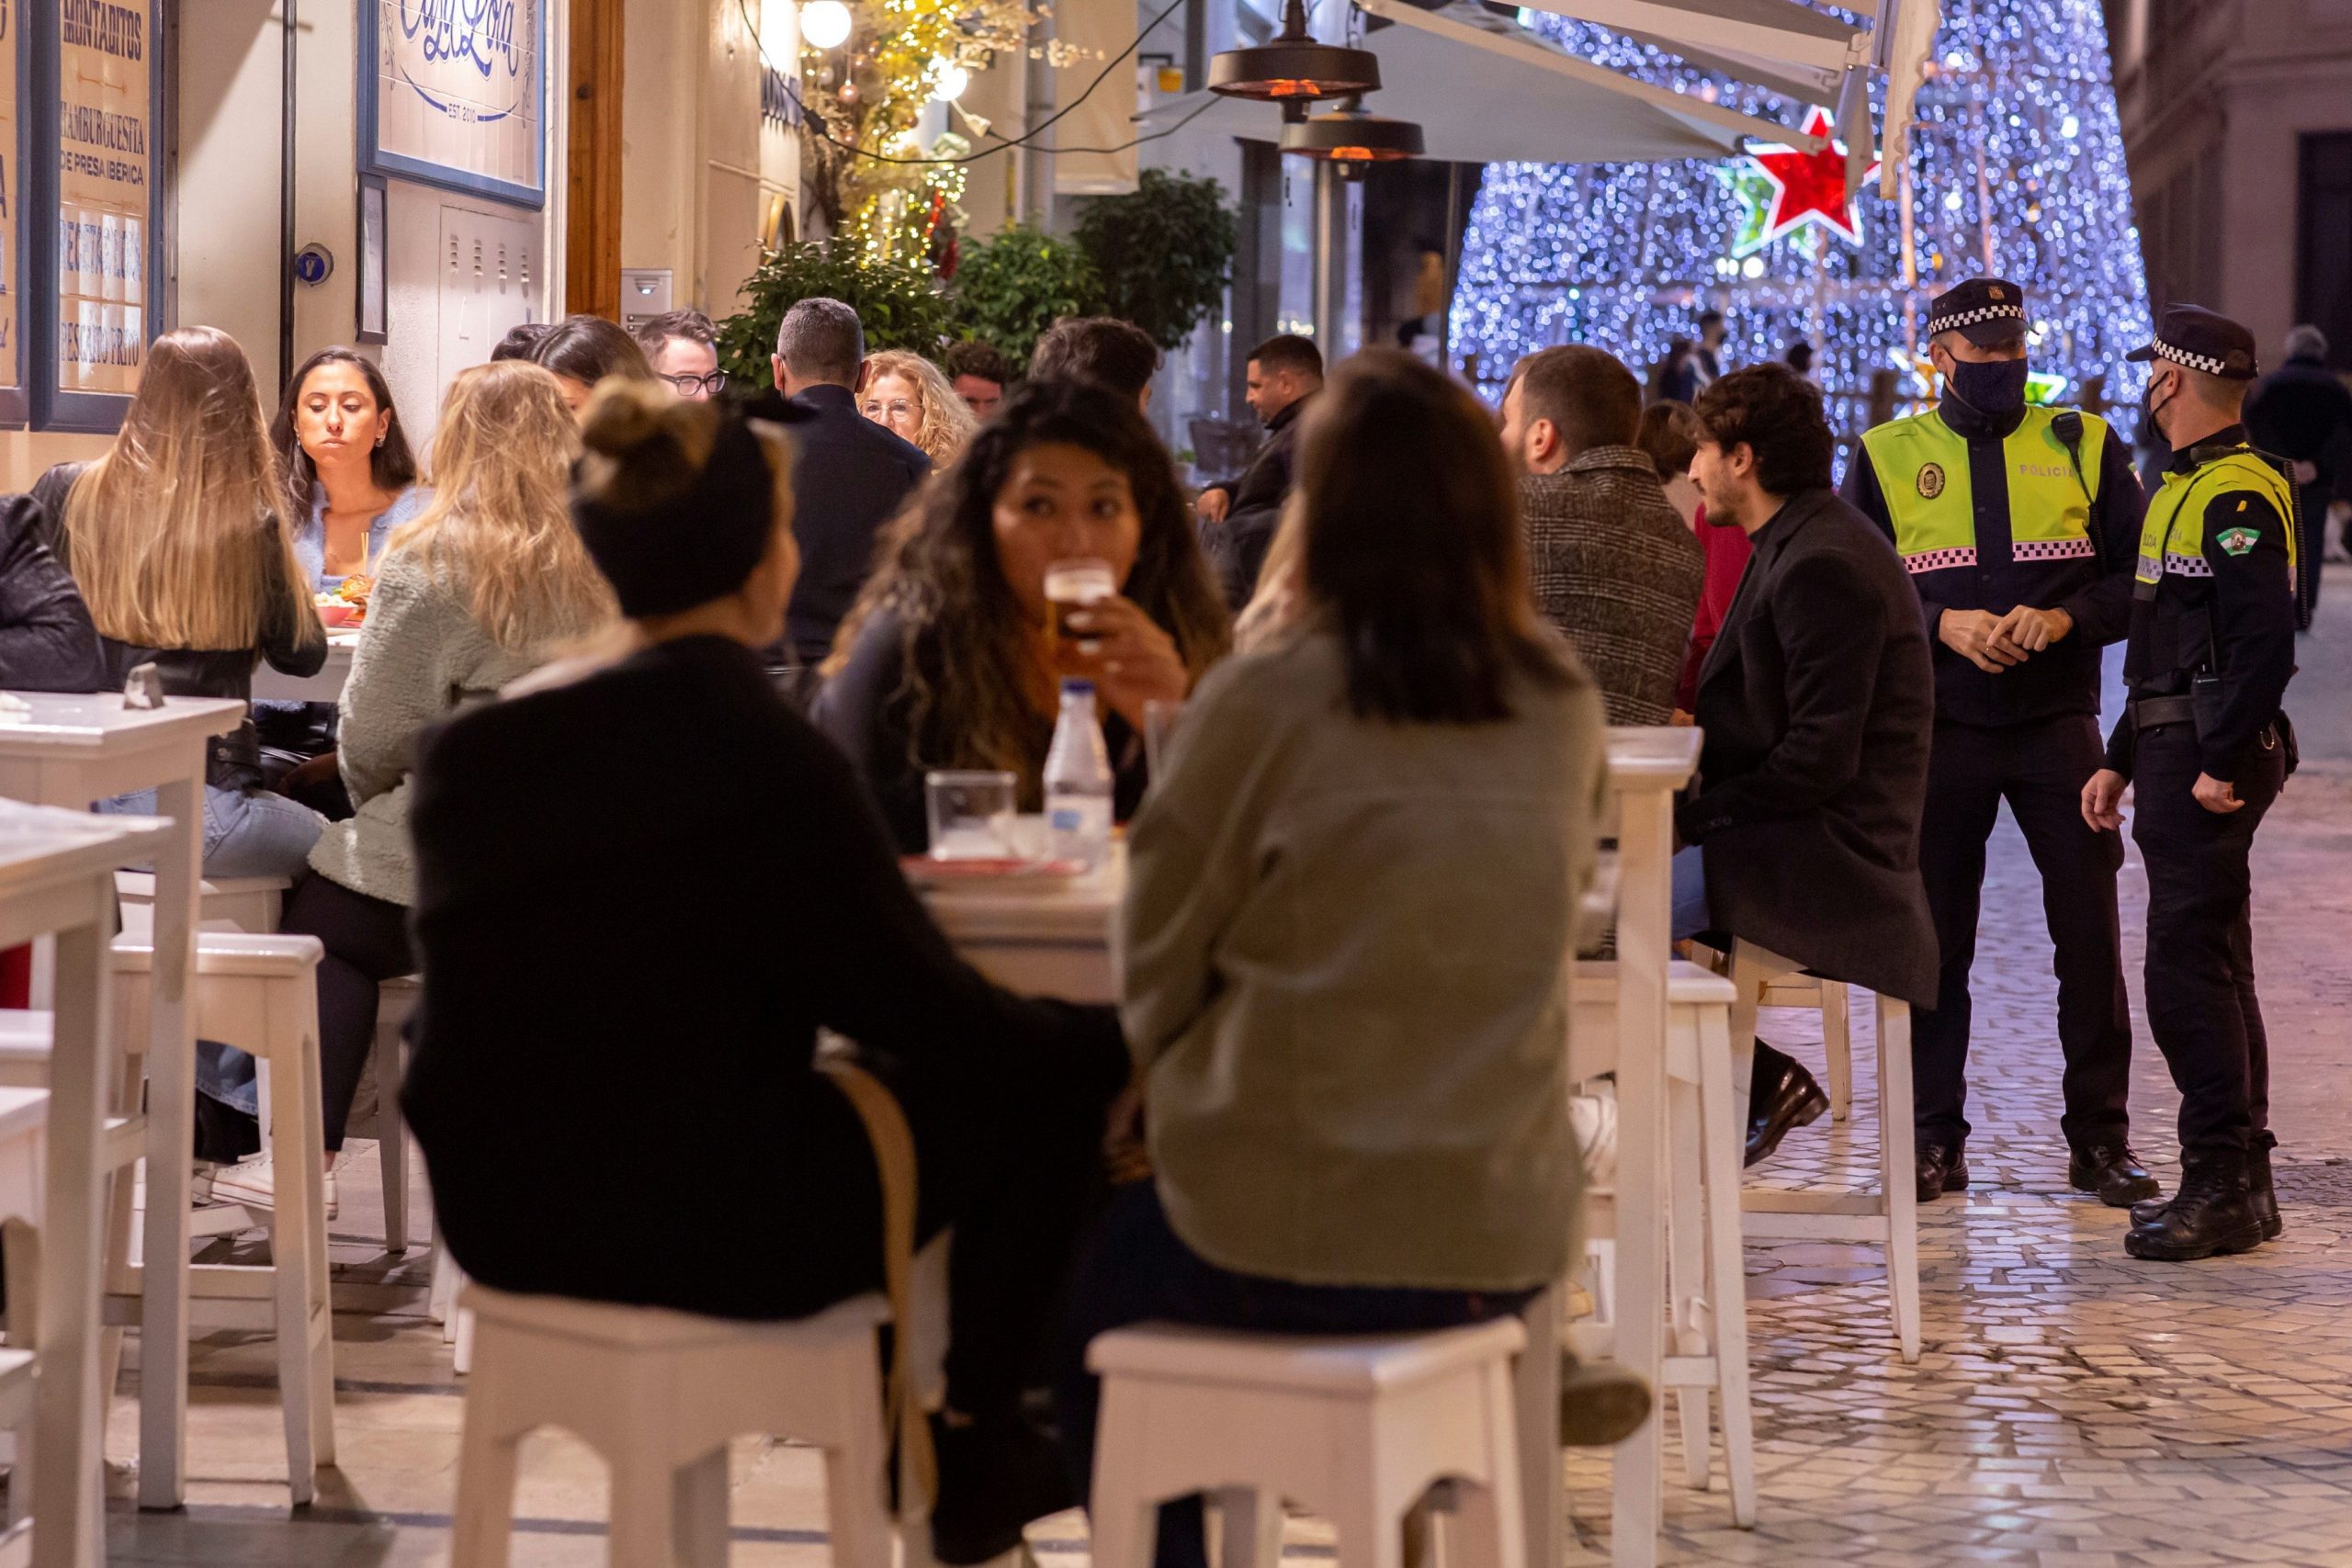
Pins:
x: 2018, y: 524
x: 2205, y: 747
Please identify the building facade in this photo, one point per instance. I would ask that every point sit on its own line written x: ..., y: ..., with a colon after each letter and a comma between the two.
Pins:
x: 2237, y: 123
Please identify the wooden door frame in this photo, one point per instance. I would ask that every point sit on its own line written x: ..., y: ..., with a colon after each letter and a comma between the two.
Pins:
x: 592, y: 250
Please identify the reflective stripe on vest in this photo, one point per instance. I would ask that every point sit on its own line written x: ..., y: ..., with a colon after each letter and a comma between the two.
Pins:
x: 1922, y: 468
x: 2172, y: 534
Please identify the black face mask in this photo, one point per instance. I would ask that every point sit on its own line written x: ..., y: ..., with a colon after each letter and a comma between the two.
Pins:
x: 2149, y: 411
x: 1993, y: 387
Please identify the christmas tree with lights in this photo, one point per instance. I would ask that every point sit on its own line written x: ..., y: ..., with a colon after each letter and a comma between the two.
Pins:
x: 2015, y: 170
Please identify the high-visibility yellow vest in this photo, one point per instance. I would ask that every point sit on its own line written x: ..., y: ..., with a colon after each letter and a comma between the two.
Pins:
x: 1922, y: 468
x: 2172, y: 534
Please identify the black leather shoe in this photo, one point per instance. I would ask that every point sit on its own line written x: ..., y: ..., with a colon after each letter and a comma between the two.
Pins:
x: 1943, y: 1167
x: 2265, y: 1195
x: 1791, y: 1100
x: 2212, y: 1213
x: 996, y: 1475
x: 2113, y: 1172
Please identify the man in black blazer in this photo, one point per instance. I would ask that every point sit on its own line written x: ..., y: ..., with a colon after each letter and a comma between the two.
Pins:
x: 848, y: 475
x: 1818, y: 705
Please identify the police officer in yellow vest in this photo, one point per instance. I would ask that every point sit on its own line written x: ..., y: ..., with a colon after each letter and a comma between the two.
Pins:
x: 2206, y: 747
x: 2018, y: 524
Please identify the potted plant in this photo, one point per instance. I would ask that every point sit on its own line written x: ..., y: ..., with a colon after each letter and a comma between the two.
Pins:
x: 898, y: 304
x: 1163, y: 253
x: 1009, y: 287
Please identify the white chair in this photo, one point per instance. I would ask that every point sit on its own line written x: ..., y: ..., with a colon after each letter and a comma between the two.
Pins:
x: 395, y: 1003
x: 1706, y: 1299
x: 24, y: 1115
x: 1356, y: 1429
x: 1888, y: 1218
x: 659, y: 1394
x: 226, y: 903
x: 261, y: 995
x: 1831, y: 999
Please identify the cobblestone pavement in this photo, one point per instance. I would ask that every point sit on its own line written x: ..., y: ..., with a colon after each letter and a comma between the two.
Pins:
x: 2072, y: 1409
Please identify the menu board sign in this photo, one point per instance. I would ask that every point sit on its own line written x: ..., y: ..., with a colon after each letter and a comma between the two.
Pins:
x: 452, y: 95
x: 105, y: 176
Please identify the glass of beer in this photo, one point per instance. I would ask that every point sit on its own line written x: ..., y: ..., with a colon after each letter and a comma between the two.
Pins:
x: 1073, y: 585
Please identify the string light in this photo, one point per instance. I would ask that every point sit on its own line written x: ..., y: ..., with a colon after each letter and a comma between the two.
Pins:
x: 2021, y: 116
x: 824, y: 24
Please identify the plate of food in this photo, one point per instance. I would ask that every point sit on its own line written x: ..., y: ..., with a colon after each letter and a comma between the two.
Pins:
x: 346, y: 605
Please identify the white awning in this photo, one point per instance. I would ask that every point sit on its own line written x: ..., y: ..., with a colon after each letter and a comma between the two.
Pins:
x: 1486, y: 91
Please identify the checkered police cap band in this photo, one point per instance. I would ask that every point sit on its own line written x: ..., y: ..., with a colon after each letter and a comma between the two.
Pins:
x: 2205, y: 362
x: 1944, y: 324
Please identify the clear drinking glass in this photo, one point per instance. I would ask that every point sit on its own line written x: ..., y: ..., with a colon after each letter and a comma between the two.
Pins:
x: 1073, y: 585
x: 971, y: 815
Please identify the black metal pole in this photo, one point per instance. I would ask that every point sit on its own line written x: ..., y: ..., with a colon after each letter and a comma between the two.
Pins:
x: 286, y: 201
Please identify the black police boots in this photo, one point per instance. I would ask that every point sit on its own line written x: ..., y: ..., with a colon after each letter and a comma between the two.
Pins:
x: 2259, y: 1189
x: 2113, y: 1172
x: 2212, y: 1213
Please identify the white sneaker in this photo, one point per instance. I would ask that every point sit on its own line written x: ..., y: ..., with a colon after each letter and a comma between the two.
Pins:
x: 254, y: 1183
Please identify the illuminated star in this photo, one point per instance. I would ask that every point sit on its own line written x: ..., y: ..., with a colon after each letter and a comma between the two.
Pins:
x: 1809, y: 187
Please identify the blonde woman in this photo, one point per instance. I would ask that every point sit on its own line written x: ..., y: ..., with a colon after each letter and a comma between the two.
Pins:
x: 474, y: 593
x: 177, y: 540
x: 908, y: 396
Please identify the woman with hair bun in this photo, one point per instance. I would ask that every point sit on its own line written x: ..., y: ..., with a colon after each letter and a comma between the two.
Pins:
x: 611, y: 942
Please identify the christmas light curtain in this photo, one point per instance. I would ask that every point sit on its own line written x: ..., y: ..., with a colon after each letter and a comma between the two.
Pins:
x: 2016, y: 169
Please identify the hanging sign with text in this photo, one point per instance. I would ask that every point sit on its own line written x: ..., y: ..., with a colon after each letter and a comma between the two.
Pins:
x: 454, y: 91
x: 106, y: 174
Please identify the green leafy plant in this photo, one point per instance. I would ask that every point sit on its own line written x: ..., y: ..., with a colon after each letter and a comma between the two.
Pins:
x: 898, y: 304
x: 1163, y: 253
x: 1011, y: 286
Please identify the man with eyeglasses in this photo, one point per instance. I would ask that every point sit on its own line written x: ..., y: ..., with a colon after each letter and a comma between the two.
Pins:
x: 683, y: 348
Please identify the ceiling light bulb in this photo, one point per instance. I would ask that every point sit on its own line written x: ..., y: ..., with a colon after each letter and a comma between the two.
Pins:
x: 952, y: 82
x: 824, y: 24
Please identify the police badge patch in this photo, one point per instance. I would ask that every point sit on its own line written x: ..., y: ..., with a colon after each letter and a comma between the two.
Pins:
x: 1932, y: 480
x: 2237, y: 541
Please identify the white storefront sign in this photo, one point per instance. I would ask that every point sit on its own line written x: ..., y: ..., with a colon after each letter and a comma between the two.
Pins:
x: 453, y: 93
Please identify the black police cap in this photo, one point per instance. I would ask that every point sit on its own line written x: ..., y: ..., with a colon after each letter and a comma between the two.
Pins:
x: 2203, y: 340
x: 1985, y: 310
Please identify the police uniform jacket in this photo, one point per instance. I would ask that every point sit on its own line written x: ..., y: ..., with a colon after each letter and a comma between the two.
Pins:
x: 1988, y: 515
x: 2216, y: 567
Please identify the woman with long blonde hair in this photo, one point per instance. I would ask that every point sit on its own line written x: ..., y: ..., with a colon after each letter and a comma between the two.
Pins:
x: 178, y: 539
x: 480, y: 588
x: 911, y: 397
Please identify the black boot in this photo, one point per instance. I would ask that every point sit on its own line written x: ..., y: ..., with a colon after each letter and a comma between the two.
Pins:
x: 2265, y: 1195
x: 996, y: 1473
x: 1780, y: 1095
x: 2113, y: 1172
x: 2212, y: 1213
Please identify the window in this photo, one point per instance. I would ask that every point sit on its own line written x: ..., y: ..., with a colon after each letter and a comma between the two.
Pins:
x: 2324, y: 242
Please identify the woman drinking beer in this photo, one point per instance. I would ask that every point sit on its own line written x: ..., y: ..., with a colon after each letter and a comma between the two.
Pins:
x: 952, y: 657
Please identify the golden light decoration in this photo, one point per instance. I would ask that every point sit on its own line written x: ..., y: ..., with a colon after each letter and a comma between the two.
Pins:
x: 895, y: 196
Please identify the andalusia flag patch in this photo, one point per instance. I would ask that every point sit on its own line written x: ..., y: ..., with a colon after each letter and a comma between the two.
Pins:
x: 2237, y: 541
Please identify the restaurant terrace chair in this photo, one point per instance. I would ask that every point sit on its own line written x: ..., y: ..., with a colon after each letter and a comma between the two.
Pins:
x: 1888, y: 1218
x: 395, y: 1003
x: 1356, y: 1429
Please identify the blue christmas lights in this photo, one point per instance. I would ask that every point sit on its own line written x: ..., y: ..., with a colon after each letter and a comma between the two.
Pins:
x: 2017, y: 168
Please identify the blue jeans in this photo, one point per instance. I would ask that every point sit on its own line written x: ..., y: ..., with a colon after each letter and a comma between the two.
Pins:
x: 1138, y: 1269
x: 1690, y: 901
x: 246, y: 833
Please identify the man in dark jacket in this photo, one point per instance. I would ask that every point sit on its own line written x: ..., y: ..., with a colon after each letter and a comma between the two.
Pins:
x: 848, y: 475
x: 47, y: 641
x: 1818, y: 707
x: 1239, y: 517
x: 2302, y: 412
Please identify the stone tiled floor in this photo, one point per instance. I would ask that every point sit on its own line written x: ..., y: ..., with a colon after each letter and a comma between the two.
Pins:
x: 2072, y: 1409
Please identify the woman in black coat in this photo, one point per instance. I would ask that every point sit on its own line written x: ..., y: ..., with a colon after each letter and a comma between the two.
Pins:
x: 626, y: 966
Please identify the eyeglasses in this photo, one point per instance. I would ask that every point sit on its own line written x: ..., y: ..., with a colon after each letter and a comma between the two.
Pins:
x: 897, y: 408
x: 688, y: 386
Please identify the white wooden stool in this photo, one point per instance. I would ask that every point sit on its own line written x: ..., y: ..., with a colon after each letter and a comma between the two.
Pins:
x: 1356, y: 1429
x: 24, y: 1116
x: 225, y: 902
x: 659, y: 1394
x: 1832, y: 1000
x: 395, y: 1002
x: 1888, y: 1218
x: 1705, y: 1297
x: 261, y: 995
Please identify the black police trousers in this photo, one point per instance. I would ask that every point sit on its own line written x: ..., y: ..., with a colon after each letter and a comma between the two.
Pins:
x: 2039, y: 768
x: 2201, y: 1007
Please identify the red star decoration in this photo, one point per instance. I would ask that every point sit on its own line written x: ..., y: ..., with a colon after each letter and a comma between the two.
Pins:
x: 1810, y: 188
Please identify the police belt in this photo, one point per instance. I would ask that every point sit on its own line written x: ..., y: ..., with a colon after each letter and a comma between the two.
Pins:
x: 2149, y: 711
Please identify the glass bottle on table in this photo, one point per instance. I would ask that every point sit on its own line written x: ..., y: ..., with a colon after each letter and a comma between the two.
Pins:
x: 1077, y: 781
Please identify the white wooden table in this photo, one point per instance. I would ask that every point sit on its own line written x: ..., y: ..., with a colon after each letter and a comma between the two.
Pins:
x: 274, y: 686
x: 1058, y: 943
x: 69, y: 751
x: 57, y: 877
